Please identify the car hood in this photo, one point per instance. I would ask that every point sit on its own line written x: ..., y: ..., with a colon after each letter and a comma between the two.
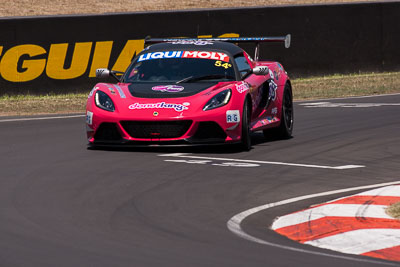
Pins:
x: 167, y: 90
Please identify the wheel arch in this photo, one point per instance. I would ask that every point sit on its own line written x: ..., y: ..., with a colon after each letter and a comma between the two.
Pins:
x: 249, y: 103
x: 288, y: 82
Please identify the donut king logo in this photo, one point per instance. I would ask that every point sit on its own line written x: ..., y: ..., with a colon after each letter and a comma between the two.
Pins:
x: 160, y: 105
x: 168, y: 88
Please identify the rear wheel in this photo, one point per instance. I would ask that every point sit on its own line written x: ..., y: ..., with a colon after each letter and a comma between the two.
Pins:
x: 285, y: 129
x: 246, y: 137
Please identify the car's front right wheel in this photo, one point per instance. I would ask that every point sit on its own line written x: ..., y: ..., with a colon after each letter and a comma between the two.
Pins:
x: 285, y: 129
x: 246, y: 137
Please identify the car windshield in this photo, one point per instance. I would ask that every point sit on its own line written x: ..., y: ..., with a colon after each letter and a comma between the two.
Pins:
x: 181, y: 67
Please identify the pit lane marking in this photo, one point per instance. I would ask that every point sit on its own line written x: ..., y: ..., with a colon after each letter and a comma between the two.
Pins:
x: 257, y: 163
x: 234, y: 223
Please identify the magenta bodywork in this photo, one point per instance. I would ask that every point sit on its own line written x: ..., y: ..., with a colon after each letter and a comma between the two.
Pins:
x: 189, y: 109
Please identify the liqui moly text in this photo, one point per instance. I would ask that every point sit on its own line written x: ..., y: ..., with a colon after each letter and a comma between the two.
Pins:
x: 185, y: 54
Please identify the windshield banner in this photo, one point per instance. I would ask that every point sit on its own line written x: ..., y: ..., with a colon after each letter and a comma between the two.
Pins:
x: 185, y: 54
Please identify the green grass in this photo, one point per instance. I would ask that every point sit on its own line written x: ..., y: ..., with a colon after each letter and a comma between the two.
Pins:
x: 394, y: 210
x: 11, y: 105
x: 346, y: 85
x: 37, y: 97
x: 333, y: 86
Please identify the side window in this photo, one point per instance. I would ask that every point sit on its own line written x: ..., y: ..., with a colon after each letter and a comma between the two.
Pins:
x: 242, y: 64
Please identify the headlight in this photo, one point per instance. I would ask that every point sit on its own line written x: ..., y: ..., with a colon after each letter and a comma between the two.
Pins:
x: 103, y: 101
x: 219, y: 100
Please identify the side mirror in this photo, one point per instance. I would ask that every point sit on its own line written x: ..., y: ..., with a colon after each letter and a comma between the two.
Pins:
x: 102, y: 73
x: 260, y: 70
x: 105, y: 73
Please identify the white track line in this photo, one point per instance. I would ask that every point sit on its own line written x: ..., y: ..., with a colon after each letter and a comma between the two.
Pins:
x: 300, y: 101
x: 347, y: 105
x: 234, y: 224
x: 42, y: 118
x: 342, y: 98
x: 344, y: 167
x: 388, y: 191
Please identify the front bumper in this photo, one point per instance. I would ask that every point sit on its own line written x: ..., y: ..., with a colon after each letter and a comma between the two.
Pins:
x: 197, y: 130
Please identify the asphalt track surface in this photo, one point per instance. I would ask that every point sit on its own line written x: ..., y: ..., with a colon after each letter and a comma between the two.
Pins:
x: 64, y: 205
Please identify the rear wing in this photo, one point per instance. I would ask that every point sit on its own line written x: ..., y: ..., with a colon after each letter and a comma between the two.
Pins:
x: 256, y: 40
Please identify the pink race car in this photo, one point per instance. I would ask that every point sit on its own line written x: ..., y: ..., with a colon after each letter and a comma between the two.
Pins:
x: 192, y: 91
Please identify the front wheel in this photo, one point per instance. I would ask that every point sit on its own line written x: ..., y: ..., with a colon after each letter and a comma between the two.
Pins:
x: 285, y: 129
x: 246, y: 137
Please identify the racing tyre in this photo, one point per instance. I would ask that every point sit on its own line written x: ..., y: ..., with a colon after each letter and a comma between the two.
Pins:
x: 246, y: 137
x: 285, y: 129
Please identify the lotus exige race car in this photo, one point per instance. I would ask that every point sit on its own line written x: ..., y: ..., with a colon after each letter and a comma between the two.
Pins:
x: 192, y: 91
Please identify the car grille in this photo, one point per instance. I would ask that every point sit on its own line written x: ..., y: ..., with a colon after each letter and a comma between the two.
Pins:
x: 156, y: 129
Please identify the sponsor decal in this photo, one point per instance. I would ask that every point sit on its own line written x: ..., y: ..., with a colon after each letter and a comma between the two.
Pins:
x: 112, y: 91
x: 89, y: 117
x: 160, y: 105
x: 155, y: 113
x: 168, y: 88
x: 263, y: 70
x: 185, y: 54
x: 93, y: 90
x: 193, y: 42
x: 226, y: 65
x: 271, y: 74
x: 65, y: 61
x: 274, y: 111
x: 242, y: 87
x: 276, y: 74
x: 232, y: 116
x: 269, y: 120
x: 27, y: 62
x: 157, y: 55
x: 272, y: 90
x: 280, y: 66
x: 120, y: 91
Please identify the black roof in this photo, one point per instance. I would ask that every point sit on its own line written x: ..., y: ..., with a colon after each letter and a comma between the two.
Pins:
x: 215, y: 45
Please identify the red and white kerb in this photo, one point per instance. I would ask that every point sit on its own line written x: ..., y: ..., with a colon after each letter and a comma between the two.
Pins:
x: 357, y: 224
